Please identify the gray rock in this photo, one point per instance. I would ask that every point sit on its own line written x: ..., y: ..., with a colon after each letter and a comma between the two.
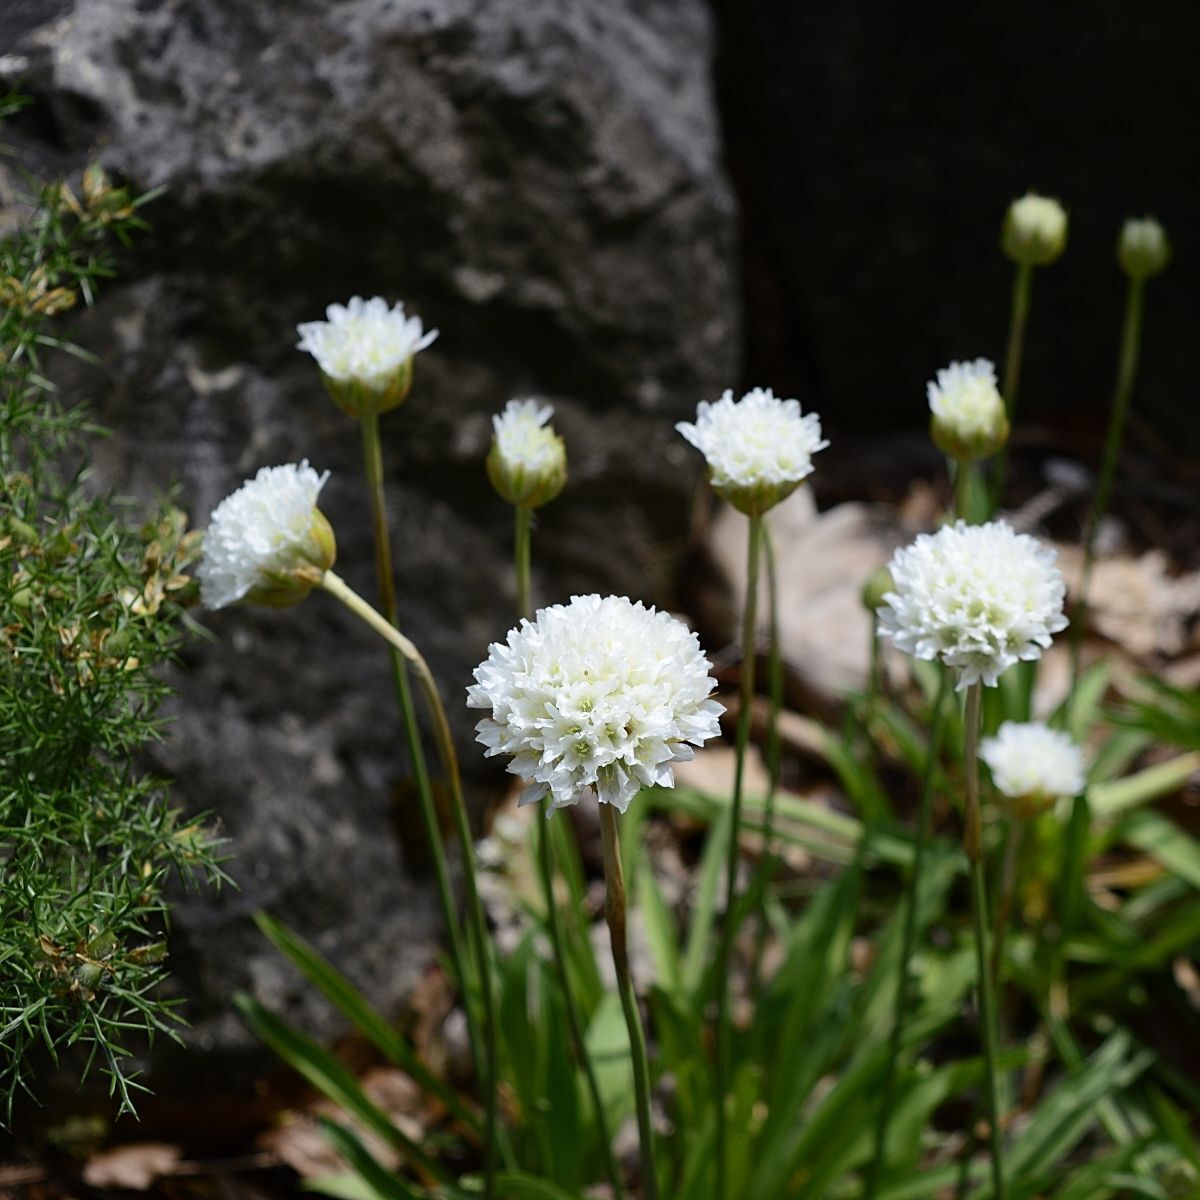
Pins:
x: 541, y: 182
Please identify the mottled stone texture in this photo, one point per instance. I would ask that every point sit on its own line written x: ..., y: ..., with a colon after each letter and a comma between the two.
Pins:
x: 539, y: 180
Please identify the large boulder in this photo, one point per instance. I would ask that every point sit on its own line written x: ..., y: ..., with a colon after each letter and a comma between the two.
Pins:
x: 540, y: 181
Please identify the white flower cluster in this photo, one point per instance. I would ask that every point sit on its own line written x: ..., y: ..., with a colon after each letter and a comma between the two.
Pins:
x: 259, y: 535
x: 969, y: 419
x: 365, y: 350
x: 979, y: 597
x: 597, y: 697
x: 758, y: 449
x: 1032, y: 760
x: 528, y: 461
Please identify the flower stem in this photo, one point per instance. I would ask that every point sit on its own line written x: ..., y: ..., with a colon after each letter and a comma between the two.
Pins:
x: 1003, y: 914
x: 973, y: 839
x: 1021, y: 295
x: 909, y: 937
x: 1127, y: 364
x: 522, y: 523
x: 962, y: 490
x: 335, y: 585
x: 522, y: 555
x: 725, y: 946
x: 614, y: 911
x: 373, y: 459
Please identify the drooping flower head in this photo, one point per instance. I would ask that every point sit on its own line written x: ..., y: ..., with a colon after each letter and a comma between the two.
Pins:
x: 969, y: 419
x: 1143, y: 248
x: 759, y: 449
x: 527, y: 463
x: 365, y: 351
x: 597, y: 697
x: 978, y: 597
x: 1035, y: 230
x: 1033, y: 764
x: 267, y: 543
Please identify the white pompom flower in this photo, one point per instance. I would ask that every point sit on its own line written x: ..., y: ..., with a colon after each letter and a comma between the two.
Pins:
x: 527, y: 463
x: 759, y: 449
x: 969, y: 417
x: 978, y: 597
x: 595, y: 698
x: 1033, y: 764
x: 267, y: 543
x: 365, y: 352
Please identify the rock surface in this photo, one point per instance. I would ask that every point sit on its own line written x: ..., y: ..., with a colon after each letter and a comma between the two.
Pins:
x: 540, y: 181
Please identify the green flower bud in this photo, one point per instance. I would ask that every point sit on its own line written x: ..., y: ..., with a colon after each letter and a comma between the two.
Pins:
x: 876, y: 588
x: 1143, y: 249
x: 1035, y: 230
x: 527, y: 463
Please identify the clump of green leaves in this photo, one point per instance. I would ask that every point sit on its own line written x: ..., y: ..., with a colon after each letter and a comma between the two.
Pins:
x: 89, y: 610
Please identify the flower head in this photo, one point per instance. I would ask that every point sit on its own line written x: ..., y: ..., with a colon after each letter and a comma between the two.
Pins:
x: 267, y: 542
x: 1033, y: 764
x: 979, y: 597
x: 365, y: 351
x: 1035, y: 230
x: 759, y: 448
x: 527, y: 463
x: 969, y: 420
x: 597, y: 697
x: 1143, y: 248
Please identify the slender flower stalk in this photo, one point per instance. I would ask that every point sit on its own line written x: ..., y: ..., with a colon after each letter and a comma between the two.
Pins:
x: 337, y: 587
x: 1034, y: 234
x: 1142, y: 251
x: 728, y: 929
x: 909, y: 937
x: 373, y: 462
x: 614, y: 912
x: 523, y: 520
x: 973, y: 843
x: 1022, y: 295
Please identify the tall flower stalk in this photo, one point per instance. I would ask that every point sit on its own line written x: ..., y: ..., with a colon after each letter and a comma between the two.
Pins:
x: 615, y: 914
x: 365, y: 351
x: 1034, y: 235
x: 444, y: 741
x: 528, y: 461
x: 758, y: 450
x: 979, y: 599
x: 597, y: 699
x: 973, y: 844
x: 1142, y: 251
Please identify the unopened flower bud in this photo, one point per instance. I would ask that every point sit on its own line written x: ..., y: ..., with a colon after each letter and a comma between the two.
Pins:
x: 1035, y: 230
x: 876, y: 588
x: 365, y: 351
x: 1143, y: 249
x: 268, y: 543
x: 527, y: 463
x: 969, y: 420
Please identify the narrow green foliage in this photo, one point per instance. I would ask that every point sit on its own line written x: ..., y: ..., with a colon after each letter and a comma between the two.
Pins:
x: 89, y: 610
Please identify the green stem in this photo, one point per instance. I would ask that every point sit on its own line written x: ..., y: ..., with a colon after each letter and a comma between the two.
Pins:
x: 574, y: 1020
x: 725, y: 946
x: 1021, y: 295
x: 373, y: 460
x: 962, y: 490
x: 973, y: 839
x: 909, y: 937
x: 774, y: 742
x: 614, y: 911
x: 1004, y: 908
x: 335, y: 585
x: 522, y: 555
x: 1127, y: 364
x: 522, y: 524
